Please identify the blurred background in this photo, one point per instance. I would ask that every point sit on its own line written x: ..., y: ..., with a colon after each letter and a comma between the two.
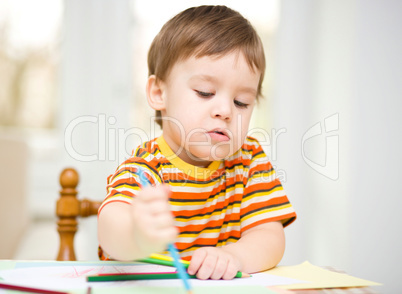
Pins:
x: 72, y: 93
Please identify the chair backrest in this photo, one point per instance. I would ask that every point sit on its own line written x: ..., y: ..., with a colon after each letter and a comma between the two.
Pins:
x: 68, y: 210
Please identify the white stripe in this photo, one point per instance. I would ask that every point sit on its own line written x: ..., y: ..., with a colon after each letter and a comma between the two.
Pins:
x: 266, y: 215
x: 262, y: 198
x: 204, y: 220
x: 204, y: 204
x: 212, y: 235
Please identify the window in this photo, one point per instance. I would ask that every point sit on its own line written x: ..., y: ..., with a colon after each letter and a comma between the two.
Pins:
x: 29, y: 34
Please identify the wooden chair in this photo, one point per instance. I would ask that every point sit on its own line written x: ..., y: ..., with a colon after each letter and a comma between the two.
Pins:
x: 68, y: 210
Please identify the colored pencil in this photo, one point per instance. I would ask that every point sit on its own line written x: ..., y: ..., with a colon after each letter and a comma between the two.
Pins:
x: 172, y: 248
x: 185, y: 263
x: 165, y: 257
x: 29, y: 289
x: 180, y: 267
x: 134, y: 276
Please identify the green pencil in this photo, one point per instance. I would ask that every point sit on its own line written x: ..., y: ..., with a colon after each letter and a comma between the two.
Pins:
x: 136, y: 276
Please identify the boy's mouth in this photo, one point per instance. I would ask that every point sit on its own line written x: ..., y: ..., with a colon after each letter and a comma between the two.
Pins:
x: 219, y: 135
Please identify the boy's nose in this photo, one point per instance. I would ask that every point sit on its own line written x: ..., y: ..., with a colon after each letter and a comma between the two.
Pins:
x: 222, y: 110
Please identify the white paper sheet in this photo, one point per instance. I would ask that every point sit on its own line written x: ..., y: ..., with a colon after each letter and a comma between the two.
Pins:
x: 74, y: 277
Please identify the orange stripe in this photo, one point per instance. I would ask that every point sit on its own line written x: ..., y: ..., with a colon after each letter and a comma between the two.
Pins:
x: 272, y: 219
x: 210, y: 224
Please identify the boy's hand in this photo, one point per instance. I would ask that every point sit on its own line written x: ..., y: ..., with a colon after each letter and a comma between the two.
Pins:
x: 214, y: 263
x: 153, y: 220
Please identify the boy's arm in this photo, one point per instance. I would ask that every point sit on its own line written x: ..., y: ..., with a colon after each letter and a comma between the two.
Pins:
x: 258, y: 249
x: 129, y: 232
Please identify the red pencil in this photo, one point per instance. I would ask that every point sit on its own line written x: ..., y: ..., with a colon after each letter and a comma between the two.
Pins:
x: 29, y: 289
x: 139, y: 274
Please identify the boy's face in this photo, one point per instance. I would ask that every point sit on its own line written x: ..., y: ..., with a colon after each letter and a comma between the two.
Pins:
x: 207, y: 106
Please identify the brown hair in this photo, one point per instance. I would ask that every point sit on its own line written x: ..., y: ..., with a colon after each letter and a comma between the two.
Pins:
x: 204, y: 31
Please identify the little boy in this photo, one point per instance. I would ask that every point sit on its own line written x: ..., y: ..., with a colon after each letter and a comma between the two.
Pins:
x: 211, y: 188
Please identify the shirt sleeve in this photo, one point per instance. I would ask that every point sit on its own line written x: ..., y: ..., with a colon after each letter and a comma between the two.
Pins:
x: 125, y: 183
x: 264, y: 198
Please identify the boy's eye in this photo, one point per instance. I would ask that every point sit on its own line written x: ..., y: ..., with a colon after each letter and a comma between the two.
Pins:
x: 240, y: 104
x: 204, y: 94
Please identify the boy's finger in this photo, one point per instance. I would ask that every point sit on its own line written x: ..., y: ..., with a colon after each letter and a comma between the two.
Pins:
x: 162, y: 221
x: 207, y: 267
x: 158, y: 206
x: 154, y: 193
x: 196, y: 261
x: 220, y: 269
x: 230, y: 272
x: 162, y: 236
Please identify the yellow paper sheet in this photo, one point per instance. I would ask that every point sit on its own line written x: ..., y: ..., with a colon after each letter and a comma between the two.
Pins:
x: 318, y: 277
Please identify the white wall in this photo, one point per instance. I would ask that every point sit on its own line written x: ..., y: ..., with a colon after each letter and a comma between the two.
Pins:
x: 376, y: 238
x: 341, y: 61
x: 96, y: 92
x: 95, y: 84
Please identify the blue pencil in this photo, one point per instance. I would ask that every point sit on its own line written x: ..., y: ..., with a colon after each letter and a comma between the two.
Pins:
x: 180, y: 268
x: 171, y: 247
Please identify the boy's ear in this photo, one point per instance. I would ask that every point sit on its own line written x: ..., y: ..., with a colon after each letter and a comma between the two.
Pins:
x: 155, y: 95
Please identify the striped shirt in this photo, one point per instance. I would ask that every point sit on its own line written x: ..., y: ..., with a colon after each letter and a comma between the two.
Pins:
x: 212, y: 206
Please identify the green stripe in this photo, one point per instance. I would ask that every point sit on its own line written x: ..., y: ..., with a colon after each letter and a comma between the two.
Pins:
x: 125, y: 277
